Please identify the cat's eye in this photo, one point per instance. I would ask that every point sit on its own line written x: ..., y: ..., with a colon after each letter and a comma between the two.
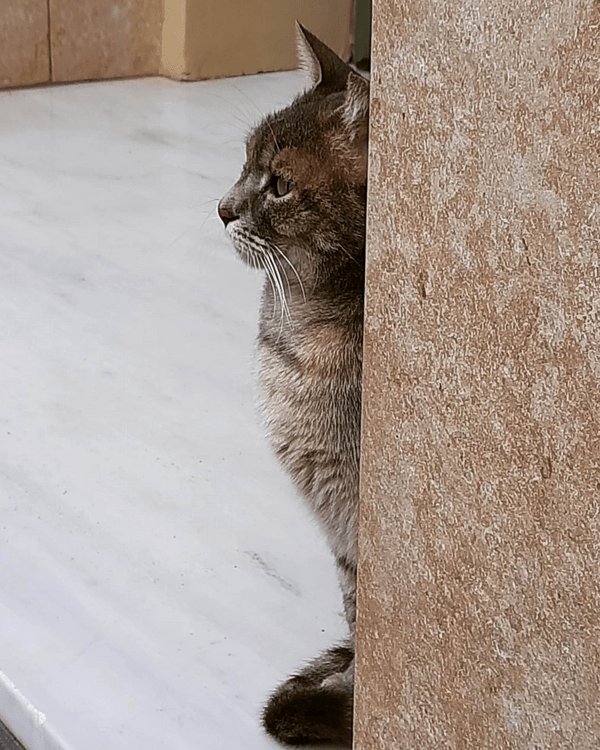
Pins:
x: 281, y: 186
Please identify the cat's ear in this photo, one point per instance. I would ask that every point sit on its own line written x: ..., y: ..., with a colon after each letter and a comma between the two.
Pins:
x: 356, y: 103
x: 355, y: 116
x: 325, y: 68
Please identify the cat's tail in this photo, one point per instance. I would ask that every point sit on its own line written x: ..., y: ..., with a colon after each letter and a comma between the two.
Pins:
x: 315, y: 705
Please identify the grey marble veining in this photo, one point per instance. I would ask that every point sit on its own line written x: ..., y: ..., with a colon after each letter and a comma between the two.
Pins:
x: 158, y: 576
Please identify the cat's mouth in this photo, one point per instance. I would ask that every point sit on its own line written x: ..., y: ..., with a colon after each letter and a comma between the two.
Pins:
x: 249, y: 247
x: 267, y: 256
x: 245, y: 252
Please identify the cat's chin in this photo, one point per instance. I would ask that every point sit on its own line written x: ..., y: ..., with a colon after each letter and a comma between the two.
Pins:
x: 249, y: 257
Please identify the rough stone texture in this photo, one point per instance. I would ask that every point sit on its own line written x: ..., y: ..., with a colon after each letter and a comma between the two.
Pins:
x: 479, y: 608
x: 94, y: 39
x: 24, y: 50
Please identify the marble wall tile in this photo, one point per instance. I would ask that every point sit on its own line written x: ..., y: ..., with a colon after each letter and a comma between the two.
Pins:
x: 94, y: 39
x: 24, y: 50
x: 479, y: 608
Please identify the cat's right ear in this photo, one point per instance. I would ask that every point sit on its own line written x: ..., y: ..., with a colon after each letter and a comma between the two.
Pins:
x: 356, y: 104
x: 324, y: 67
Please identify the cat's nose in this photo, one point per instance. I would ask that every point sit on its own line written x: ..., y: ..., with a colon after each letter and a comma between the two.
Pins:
x: 226, y: 213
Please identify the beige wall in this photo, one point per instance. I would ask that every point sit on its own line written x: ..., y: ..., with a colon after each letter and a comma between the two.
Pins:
x: 24, y: 58
x: 76, y: 40
x: 209, y: 38
x: 479, y: 602
x: 79, y: 40
x: 92, y: 39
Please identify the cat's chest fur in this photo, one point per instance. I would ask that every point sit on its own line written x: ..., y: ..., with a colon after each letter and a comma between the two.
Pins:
x: 310, y: 383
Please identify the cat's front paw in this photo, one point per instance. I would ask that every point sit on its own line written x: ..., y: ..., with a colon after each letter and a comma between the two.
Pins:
x: 304, y: 715
x: 315, y: 706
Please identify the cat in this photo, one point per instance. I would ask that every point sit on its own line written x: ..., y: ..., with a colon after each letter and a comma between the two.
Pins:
x: 298, y: 211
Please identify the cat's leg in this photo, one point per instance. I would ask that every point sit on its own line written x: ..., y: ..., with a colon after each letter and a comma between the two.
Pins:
x: 347, y: 578
x: 316, y: 704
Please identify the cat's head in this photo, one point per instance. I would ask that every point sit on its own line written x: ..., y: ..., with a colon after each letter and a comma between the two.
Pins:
x: 301, y: 197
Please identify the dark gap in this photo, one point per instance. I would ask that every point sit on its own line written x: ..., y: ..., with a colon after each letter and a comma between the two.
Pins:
x: 7, y: 739
x: 50, y: 70
x: 361, y: 55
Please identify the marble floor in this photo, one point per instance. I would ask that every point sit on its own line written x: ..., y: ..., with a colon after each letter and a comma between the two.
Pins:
x: 158, y: 576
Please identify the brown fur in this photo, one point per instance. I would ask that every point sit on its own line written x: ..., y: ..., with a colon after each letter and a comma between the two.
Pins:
x: 310, y: 242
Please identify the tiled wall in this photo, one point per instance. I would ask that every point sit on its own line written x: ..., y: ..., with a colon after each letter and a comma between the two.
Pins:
x: 93, y: 39
x: 212, y: 38
x: 78, y: 40
x: 24, y: 50
x: 75, y: 40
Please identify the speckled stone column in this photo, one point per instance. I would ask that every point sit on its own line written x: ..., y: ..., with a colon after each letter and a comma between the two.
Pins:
x: 479, y: 600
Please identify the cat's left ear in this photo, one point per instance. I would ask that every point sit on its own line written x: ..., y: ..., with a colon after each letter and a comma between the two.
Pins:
x: 326, y: 70
x: 355, y: 110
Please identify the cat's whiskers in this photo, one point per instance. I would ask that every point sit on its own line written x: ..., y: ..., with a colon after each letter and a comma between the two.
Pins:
x: 271, y: 247
x: 274, y: 138
x: 291, y: 265
x: 205, y: 203
x: 285, y: 280
x: 247, y: 123
x: 176, y: 240
x: 259, y: 113
x: 274, y: 286
x: 350, y: 257
x: 210, y: 216
x: 277, y: 276
x: 273, y: 269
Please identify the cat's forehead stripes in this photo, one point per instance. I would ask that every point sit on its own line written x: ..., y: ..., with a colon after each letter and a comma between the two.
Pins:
x: 261, y: 146
x: 308, y: 168
x: 251, y: 146
x: 301, y: 144
x: 260, y: 141
x: 303, y: 123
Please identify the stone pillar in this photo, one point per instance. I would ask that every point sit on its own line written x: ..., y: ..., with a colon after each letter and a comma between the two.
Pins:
x: 479, y: 590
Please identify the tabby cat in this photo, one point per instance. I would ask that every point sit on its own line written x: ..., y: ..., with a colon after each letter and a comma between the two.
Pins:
x: 298, y: 212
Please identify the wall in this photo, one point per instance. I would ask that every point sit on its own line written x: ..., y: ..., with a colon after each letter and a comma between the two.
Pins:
x: 44, y: 41
x: 78, y: 40
x: 479, y: 610
x: 24, y: 54
x: 211, y: 38
x: 92, y: 39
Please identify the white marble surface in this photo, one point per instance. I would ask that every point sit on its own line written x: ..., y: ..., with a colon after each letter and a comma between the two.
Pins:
x: 157, y: 574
